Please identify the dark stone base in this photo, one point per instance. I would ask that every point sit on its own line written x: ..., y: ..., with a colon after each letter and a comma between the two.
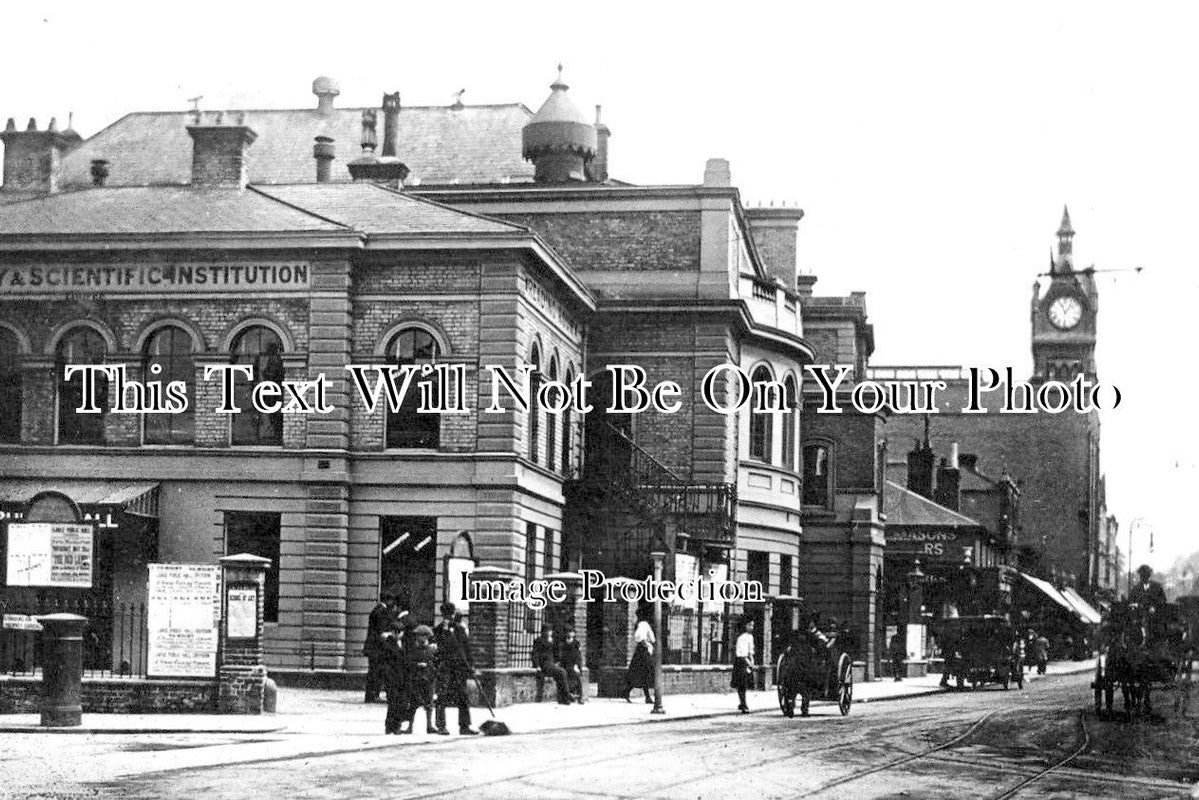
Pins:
x: 23, y: 695
x: 682, y: 679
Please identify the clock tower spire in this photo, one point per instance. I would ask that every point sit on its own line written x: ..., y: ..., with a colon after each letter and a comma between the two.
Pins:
x: 1063, y: 318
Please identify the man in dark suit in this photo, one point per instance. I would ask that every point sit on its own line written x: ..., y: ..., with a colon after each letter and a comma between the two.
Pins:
x: 570, y: 657
x: 1150, y: 600
x: 380, y: 621
x: 545, y: 662
x: 454, y: 669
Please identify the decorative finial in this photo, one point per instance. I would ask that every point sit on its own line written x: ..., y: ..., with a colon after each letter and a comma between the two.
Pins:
x: 559, y: 83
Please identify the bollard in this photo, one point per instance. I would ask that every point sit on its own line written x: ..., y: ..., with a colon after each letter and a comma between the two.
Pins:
x: 62, y: 670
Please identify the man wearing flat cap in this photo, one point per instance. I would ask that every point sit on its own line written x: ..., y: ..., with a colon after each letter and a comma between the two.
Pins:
x: 454, y: 669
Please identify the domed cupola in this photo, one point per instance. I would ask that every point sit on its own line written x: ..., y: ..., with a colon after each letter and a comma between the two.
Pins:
x: 558, y: 139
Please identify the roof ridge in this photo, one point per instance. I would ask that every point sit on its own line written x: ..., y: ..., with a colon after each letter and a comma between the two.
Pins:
x: 301, y: 209
x: 463, y: 212
x: 190, y: 112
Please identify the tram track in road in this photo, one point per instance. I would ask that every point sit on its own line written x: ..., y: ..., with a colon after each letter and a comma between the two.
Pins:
x: 1086, y: 742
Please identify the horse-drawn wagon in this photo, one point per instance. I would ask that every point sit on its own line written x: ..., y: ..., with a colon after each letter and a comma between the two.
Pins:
x: 813, y: 666
x: 981, y: 650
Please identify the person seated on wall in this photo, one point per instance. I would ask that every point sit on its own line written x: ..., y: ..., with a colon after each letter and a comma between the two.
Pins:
x: 545, y: 662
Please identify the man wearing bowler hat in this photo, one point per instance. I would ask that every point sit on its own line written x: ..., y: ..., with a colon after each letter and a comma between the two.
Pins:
x: 454, y: 669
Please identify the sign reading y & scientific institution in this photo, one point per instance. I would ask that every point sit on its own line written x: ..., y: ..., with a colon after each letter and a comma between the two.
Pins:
x: 183, y: 617
x: 50, y: 554
x: 273, y: 276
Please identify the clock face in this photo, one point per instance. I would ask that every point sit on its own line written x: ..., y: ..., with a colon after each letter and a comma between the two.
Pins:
x: 1065, y: 312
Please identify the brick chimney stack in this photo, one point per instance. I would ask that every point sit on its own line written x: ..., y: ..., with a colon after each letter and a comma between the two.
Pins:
x: 804, y: 285
x: 33, y: 158
x: 385, y: 169
x: 775, y: 230
x: 599, y: 165
x: 949, y: 482
x: 219, y: 157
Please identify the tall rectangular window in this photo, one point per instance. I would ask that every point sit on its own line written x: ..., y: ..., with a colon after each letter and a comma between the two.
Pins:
x: 757, y: 568
x: 547, y: 557
x: 530, y: 552
x: 785, y: 575
x: 258, y: 535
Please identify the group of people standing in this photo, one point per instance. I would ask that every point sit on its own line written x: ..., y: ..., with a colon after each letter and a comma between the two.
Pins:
x: 418, y: 667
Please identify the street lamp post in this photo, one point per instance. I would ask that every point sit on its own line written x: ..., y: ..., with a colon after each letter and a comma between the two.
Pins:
x: 659, y: 557
x: 1132, y: 527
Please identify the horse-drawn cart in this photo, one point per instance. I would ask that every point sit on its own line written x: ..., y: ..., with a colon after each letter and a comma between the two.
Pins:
x: 1140, y: 650
x: 981, y: 650
x: 814, y: 667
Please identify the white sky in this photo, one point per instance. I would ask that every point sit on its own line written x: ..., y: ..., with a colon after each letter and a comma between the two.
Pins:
x: 931, y: 145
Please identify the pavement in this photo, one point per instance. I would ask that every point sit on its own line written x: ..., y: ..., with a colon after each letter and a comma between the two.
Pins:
x: 326, y: 712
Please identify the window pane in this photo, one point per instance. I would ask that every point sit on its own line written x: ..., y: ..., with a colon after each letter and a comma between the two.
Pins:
x: 171, y: 350
x: 760, y: 424
x: 10, y: 387
x: 260, y: 348
x: 80, y: 346
x: 258, y: 535
x: 408, y: 427
x: 815, y: 475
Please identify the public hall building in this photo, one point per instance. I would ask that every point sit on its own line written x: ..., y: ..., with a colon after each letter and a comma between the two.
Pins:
x: 300, y: 241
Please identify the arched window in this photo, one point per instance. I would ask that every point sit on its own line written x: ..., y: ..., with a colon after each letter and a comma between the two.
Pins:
x: 170, y: 350
x: 80, y: 346
x: 260, y: 348
x: 10, y: 387
x: 551, y: 421
x: 790, y: 423
x: 761, y: 423
x: 816, y: 474
x: 407, y: 427
x: 567, y: 428
x: 534, y: 409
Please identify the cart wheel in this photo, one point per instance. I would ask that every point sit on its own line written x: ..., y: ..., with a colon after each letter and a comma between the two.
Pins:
x: 845, y: 695
x: 786, y: 702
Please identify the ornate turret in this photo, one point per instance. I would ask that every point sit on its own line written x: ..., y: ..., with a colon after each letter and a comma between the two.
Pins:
x: 1065, y: 244
x: 558, y: 139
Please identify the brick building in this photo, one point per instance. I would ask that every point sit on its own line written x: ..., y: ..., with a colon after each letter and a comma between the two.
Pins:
x: 297, y: 281
x: 1065, y: 532
x: 498, y: 237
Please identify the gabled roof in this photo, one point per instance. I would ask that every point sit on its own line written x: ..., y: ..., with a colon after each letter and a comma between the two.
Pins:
x: 904, y: 507
x: 439, y: 144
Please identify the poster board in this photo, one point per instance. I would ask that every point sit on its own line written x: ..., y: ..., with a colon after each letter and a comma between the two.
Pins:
x: 455, y: 570
x: 686, y: 570
x: 717, y: 573
x: 184, y: 611
x: 242, y: 609
x: 50, y: 554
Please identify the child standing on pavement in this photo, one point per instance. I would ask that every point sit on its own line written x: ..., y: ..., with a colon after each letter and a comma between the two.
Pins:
x: 419, y: 652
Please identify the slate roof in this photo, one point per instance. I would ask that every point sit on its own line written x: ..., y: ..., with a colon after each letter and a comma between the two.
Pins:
x: 439, y: 144
x: 377, y: 210
x: 156, y: 210
x: 311, y: 208
x: 904, y: 507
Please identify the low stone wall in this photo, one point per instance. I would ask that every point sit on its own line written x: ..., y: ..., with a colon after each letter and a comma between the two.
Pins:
x: 683, y: 679
x: 22, y: 695
x: 517, y: 685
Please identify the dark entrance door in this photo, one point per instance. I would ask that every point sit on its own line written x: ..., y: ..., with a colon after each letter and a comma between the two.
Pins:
x: 408, y: 563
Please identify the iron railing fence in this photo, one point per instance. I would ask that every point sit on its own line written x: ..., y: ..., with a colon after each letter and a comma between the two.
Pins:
x: 115, y: 641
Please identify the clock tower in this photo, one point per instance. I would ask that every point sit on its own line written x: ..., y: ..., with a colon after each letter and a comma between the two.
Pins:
x: 1064, y: 315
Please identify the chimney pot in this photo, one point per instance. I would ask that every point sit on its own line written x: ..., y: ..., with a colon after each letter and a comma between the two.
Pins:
x: 325, y: 89
x: 323, y: 151
x: 99, y: 171
x: 391, y: 123
x: 12, y: 125
x: 598, y: 169
x: 53, y: 127
x: 32, y: 124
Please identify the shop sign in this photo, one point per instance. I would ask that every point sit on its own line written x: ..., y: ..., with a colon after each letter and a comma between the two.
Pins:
x: 686, y: 570
x: 50, y: 554
x: 183, y: 614
x: 243, y: 613
x: 928, y: 545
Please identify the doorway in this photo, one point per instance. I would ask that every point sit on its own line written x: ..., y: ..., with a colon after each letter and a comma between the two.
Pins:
x: 408, y: 564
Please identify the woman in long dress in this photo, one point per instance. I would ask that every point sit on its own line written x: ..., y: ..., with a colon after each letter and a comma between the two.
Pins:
x: 640, y: 674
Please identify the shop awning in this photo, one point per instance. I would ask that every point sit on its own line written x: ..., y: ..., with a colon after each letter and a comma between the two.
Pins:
x: 131, y: 497
x: 1085, y: 609
x: 1046, y: 588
